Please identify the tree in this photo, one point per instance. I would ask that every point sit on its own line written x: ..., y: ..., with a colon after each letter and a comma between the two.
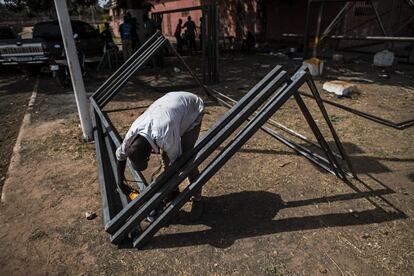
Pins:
x: 39, y: 6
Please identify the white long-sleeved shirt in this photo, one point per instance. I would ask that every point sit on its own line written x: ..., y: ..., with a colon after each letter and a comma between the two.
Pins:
x: 165, y: 121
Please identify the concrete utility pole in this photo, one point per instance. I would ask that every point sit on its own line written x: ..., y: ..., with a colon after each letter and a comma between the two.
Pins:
x: 74, y: 68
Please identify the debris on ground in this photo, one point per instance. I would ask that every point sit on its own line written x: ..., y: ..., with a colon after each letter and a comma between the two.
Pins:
x: 315, y: 66
x: 90, y: 215
x: 340, y: 88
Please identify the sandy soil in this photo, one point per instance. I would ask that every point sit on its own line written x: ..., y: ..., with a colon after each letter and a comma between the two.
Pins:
x: 268, y: 211
x: 15, y: 91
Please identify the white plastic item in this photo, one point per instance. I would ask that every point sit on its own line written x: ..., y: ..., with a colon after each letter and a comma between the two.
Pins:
x: 384, y: 58
x: 315, y: 66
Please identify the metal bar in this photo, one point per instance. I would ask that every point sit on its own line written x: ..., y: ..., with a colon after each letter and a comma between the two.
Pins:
x: 204, y: 46
x: 377, y: 38
x: 107, y: 204
x: 316, y: 131
x: 124, y: 74
x: 112, y: 161
x: 203, y: 153
x: 216, y: 46
x: 181, y: 10
x: 378, y: 18
x: 252, y: 127
x: 308, y: 154
x: 273, y: 123
x: 315, y: 158
x: 333, y: 1
x: 318, y: 29
x: 189, y: 69
x: 116, y: 138
x: 338, y: 143
x: 337, y: 19
x: 121, y: 69
x: 116, y: 222
x: 371, y: 117
x: 128, y: 74
x: 306, y: 36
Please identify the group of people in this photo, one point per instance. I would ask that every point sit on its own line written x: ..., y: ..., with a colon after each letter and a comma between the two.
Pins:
x: 188, y: 37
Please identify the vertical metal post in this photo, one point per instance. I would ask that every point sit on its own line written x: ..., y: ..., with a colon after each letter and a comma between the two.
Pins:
x: 316, y: 131
x: 306, y: 34
x: 318, y: 29
x: 378, y: 18
x: 338, y: 143
x: 204, y: 45
x: 74, y: 68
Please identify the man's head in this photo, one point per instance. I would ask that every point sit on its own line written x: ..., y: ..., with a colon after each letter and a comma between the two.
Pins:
x: 180, y: 21
x: 138, y: 151
x: 189, y: 18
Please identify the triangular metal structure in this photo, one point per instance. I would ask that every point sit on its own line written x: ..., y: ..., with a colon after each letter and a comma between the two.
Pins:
x: 256, y: 108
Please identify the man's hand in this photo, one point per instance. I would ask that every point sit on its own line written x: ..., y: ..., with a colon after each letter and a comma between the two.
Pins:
x: 125, y: 189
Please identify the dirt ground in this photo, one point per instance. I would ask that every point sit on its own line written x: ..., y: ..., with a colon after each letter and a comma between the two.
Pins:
x: 15, y: 91
x: 267, y: 211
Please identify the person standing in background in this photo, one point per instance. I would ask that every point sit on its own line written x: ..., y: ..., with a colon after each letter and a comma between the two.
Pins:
x: 126, y: 36
x: 178, y: 37
x: 191, y: 33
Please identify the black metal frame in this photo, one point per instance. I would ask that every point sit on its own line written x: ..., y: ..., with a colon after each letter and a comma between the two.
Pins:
x: 122, y: 217
x: 341, y: 14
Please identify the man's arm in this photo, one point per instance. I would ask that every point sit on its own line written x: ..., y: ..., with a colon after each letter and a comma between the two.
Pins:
x: 121, y: 164
x: 121, y: 160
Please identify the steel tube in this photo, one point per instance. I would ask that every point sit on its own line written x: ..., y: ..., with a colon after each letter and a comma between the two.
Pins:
x: 273, y: 123
x: 112, y: 162
x: 107, y: 204
x: 325, y: 115
x: 121, y: 69
x: 122, y: 75
x: 319, y: 136
x: 313, y: 157
x: 130, y: 71
x: 379, y: 38
x: 371, y: 117
x: 139, y: 178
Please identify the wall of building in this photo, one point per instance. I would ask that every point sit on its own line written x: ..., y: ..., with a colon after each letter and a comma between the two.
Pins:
x: 170, y: 20
x: 269, y: 19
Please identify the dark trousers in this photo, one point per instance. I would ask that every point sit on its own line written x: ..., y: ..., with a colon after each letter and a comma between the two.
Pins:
x: 179, y: 44
x: 188, y: 141
x: 191, y: 42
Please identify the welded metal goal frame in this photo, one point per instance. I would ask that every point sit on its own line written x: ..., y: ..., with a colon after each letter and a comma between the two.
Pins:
x: 122, y: 217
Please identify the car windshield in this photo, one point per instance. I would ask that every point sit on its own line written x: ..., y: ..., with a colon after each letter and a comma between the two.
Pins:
x: 7, y: 33
x: 84, y: 30
x: 51, y: 31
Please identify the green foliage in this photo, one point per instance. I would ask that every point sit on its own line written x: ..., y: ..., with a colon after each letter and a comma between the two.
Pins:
x: 36, y: 6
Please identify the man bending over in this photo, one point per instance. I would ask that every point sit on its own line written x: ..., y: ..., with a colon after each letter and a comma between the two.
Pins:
x: 170, y: 126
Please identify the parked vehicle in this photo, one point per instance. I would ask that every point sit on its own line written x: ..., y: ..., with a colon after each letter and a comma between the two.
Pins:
x: 87, y: 39
x: 30, y: 54
x: 88, y: 43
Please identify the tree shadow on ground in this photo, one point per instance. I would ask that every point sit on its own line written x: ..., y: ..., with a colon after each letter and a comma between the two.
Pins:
x: 252, y: 214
